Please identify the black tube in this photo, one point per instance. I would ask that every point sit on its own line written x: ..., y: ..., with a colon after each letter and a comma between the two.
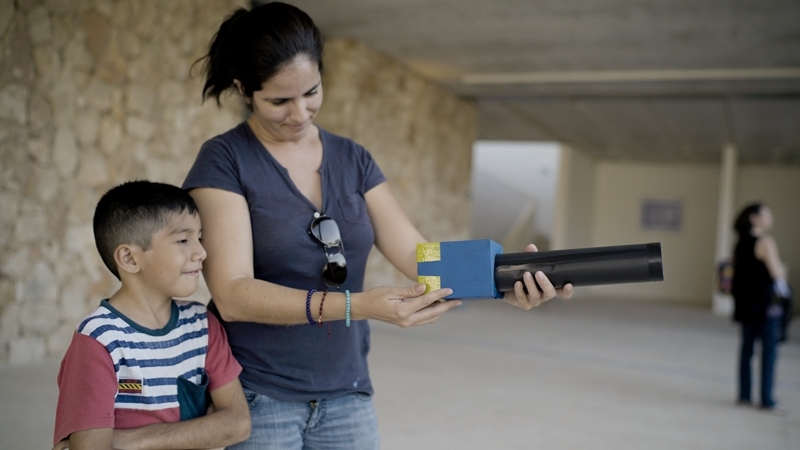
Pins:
x: 583, y: 266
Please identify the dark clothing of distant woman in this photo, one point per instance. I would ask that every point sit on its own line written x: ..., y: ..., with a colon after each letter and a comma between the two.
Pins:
x: 752, y: 284
x: 752, y: 292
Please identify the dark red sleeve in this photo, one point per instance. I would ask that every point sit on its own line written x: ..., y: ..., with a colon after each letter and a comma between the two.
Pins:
x: 221, y: 367
x: 87, y: 387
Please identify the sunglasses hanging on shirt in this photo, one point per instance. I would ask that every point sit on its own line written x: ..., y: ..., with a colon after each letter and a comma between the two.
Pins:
x: 326, y: 231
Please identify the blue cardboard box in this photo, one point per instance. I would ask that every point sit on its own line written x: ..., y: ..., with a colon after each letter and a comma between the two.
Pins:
x: 466, y: 267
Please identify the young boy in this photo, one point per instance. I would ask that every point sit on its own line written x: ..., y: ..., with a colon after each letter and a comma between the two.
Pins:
x: 139, y: 367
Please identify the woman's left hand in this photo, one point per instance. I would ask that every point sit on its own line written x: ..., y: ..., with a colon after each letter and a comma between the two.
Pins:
x: 535, y: 297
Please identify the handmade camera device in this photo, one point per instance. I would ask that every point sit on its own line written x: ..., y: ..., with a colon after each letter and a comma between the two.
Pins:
x: 479, y: 269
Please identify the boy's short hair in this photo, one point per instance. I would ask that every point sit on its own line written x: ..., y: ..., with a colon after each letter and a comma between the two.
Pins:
x: 132, y: 212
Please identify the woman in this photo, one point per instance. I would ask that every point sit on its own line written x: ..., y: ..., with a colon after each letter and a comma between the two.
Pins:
x: 290, y: 213
x: 758, y: 273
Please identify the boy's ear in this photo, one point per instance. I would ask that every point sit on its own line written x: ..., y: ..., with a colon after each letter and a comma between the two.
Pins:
x: 128, y: 258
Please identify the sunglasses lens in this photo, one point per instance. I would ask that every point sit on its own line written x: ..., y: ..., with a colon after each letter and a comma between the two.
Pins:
x: 326, y: 231
x: 335, y: 271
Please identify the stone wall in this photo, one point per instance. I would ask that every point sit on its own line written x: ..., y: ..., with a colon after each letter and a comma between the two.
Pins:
x: 420, y: 135
x: 92, y: 93
x: 97, y: 92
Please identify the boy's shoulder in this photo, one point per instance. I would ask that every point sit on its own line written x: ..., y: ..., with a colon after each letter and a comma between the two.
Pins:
x: 102, y: 317
x: 106, y: 323
x: 190, y: 310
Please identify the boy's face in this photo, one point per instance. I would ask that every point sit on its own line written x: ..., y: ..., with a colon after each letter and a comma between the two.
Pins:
x: 173, y: 262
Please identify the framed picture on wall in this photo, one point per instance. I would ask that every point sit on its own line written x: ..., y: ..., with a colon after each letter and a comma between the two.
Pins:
x: 662, y: 214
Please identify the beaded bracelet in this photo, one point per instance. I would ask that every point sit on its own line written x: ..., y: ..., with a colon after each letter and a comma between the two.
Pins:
x: 321, y: 302
x: 308, y: 306
x: 347, y: 308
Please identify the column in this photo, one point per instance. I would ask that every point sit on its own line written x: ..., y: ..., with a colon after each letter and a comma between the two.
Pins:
x: 722, y: 304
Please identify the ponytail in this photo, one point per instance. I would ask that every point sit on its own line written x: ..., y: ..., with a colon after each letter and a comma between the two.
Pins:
x: 217, y: 63
x: 252, y: 46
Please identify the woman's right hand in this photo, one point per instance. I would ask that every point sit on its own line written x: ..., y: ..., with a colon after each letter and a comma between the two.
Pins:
x: 402, y: 306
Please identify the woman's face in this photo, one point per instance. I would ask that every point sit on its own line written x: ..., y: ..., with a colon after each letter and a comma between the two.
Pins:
x: 762, y: 220
x: 287, y: 103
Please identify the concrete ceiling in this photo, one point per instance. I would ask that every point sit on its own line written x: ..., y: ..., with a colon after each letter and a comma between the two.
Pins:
x: 637, y: 80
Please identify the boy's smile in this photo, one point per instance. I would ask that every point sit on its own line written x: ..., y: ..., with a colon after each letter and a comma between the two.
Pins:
x: 175, y: 258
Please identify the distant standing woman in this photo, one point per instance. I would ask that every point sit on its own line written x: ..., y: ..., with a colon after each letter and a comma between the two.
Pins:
x: 758, y: 273
x: 290, y: 213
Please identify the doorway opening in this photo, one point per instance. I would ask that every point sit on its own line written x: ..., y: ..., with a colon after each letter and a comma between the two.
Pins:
x: 513, y: 192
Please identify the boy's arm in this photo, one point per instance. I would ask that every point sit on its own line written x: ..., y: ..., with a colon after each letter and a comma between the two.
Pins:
x: 87, y: 385
x: 227, y: 425
x: 93, y: 439
x: 229, y: 422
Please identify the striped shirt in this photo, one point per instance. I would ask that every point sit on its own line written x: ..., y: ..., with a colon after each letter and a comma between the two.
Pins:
x: 118, y: 374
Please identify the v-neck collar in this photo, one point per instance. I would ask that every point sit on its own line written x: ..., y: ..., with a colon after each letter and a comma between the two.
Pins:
x: 259, y: 146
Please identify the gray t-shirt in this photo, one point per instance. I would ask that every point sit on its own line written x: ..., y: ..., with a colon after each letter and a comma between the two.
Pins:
x: 300, y: 362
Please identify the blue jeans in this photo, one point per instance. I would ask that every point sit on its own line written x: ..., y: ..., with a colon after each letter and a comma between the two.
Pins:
x: 346, y: 422
x: 768, y: 334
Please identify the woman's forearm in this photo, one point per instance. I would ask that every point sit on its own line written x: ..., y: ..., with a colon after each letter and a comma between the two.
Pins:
x: 252, y: 300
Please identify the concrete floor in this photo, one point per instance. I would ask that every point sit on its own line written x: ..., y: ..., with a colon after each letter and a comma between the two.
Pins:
x: 583, y: 373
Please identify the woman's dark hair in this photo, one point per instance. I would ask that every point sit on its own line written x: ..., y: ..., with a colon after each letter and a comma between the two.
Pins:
x: 252, y: 46
x: 743, y: 225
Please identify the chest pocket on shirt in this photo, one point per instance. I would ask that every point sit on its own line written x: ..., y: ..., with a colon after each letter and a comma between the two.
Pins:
x: 193, y: 399
x: 354, y: 209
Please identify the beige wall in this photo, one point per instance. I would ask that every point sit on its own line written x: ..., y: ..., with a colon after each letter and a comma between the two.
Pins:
x: 779, y: 187
x: 600, y: 205
x: 94, y: 93
x: 688, y: 254
x: 572, y: 227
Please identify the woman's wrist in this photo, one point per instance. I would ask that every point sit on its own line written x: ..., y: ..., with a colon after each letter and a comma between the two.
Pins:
x: 335, y: 307
x: 356, y: 306
x: 347, y: 308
